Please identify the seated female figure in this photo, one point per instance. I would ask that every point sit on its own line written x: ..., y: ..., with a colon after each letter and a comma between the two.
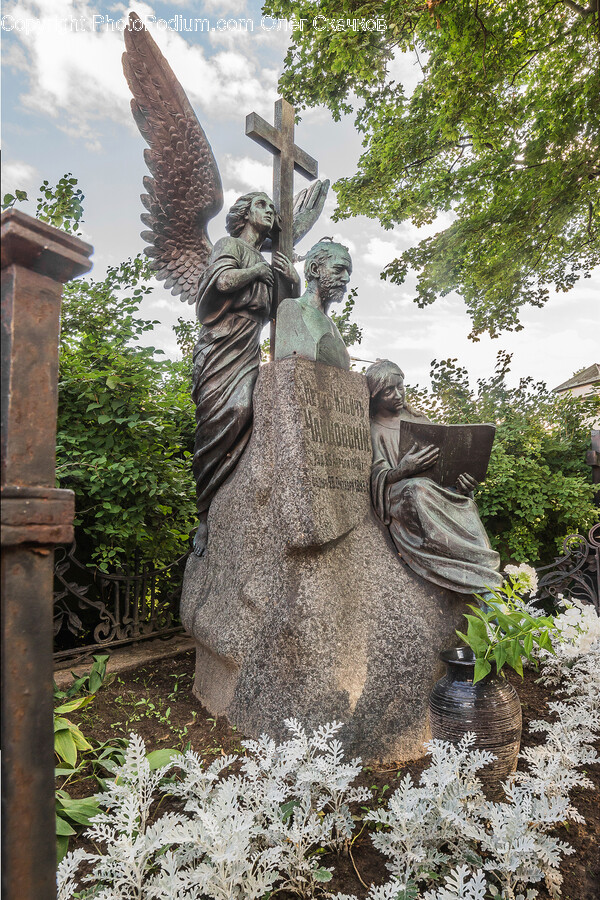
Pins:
x: 437, y: 530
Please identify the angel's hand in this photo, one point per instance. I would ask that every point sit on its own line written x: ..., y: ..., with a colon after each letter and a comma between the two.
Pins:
x: 466, y: 484
x: 308, y: 206
x: 263, y: 272
x: 285, y: 268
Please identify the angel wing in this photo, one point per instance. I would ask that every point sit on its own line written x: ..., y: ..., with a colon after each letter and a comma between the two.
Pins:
x: 185, y: 192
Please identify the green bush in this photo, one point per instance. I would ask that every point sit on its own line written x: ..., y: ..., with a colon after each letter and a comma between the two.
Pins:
x: 125, y: 424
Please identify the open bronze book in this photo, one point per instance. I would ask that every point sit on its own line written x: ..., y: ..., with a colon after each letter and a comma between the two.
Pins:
x: 463, y: 448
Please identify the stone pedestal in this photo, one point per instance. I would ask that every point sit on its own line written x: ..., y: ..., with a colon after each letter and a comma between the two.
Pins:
x: 301, y: 607
x: 36, y: 260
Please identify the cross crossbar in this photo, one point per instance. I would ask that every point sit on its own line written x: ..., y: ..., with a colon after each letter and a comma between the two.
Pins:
x: 272, y: 140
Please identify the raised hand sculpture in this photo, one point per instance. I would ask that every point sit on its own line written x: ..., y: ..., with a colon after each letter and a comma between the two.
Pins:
x: 230, y: 283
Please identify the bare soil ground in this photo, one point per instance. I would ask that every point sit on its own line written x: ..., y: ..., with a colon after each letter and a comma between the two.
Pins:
x: 156, y: 701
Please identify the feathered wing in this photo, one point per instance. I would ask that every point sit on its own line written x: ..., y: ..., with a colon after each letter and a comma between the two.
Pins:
x: 185, y: 191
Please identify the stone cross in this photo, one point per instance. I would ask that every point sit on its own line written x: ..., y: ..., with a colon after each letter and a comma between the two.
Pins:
x: 279, y: 140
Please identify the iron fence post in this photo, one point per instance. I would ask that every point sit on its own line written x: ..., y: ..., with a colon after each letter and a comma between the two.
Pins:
x: 37, y: 260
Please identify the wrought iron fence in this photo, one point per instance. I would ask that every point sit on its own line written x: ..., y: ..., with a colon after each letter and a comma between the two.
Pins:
x: 98, y: 609
x: 575, y: 574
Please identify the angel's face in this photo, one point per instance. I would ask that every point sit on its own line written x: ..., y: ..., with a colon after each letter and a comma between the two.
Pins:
x: 261, y: 213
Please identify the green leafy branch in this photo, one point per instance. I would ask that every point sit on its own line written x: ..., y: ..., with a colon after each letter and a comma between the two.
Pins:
x: 504, y: 631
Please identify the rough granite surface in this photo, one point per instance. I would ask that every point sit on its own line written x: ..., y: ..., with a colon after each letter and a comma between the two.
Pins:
x: 301, y: 607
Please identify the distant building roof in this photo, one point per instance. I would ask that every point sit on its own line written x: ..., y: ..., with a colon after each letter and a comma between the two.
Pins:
x: 588, y: 376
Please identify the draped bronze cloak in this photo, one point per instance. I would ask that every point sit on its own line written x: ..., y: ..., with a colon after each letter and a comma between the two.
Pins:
x: 226, y: 361
x: 436, y: 530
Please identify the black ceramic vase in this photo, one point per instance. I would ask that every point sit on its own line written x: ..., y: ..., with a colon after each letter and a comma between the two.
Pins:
x: 491, y: 709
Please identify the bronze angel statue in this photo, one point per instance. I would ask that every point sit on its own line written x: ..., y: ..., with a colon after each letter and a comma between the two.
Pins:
x: 231, y: 283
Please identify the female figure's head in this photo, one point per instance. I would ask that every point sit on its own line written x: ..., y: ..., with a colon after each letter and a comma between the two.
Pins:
x: 255, y: 207
x: 386, y: 387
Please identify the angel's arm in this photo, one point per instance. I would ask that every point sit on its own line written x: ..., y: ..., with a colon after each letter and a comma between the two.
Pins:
x: 234, y: 279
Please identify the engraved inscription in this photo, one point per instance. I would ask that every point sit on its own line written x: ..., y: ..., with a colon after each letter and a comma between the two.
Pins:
x: 337, y: 440
x: 334, y: 401
x: 331, y: 482
x: 325, y: 430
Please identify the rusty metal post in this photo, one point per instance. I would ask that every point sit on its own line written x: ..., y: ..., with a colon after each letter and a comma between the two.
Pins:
x: 593, y: 459
x: 37, y: 260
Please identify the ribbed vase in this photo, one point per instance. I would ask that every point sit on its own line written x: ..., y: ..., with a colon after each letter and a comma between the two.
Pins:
x: 491, y: 709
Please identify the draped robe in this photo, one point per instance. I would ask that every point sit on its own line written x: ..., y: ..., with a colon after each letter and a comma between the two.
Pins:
x: 436, y: 530
x: 226, y: 361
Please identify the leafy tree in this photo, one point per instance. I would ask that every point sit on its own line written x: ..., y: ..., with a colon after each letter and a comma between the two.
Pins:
x: 125, y: 427
x: 502, y: 131
x: 61, y: 205
x: 538, y: 488
x: 125, y: 424
x: 351, y: 332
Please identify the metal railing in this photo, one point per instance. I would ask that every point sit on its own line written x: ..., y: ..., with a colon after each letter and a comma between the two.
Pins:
x: 100, y: 609
x: 575, y: 574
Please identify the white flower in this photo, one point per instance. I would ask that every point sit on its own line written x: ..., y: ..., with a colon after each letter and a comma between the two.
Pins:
x: 579, y: 627
x: 524, y: 577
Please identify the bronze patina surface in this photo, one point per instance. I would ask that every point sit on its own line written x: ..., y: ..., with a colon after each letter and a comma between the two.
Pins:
x: 303, y: 326
x: 436, y: 529
x: 235, y: 290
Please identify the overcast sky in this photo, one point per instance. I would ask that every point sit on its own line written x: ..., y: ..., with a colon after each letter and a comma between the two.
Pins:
x: 66, y: 109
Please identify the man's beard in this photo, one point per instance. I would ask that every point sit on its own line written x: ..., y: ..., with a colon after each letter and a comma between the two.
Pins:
x: 331, y: 290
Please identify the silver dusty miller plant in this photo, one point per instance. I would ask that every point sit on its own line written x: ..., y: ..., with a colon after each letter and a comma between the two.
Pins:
x: 435, y: 829
x: 237, y: 836
x: 240, y: 836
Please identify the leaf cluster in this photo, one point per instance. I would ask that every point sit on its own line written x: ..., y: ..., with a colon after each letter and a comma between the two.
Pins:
x: 350, y: 331
x: 504, y: 630
x: 446, y: 828
x: 125, y: 424
x: 236, y: 835
x: 502, y: 133
x: 260, y: 828
x: 60, y: 205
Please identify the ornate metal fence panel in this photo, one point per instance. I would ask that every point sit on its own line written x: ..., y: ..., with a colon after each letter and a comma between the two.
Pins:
x: 575, y: 574
x: 99, y: 609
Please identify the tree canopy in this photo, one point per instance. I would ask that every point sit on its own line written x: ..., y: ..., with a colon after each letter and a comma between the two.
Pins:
x: 502, y: 132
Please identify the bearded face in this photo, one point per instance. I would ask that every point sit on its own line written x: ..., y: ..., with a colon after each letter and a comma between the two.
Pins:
x: 333, y: 277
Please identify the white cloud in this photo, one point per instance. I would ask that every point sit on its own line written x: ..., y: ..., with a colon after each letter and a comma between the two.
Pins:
x: 246, y: 174
x: 405, y: 69
x: 75, y: 72
x: 18, y: 175
x: 221, y: 7
x: 380, y: 252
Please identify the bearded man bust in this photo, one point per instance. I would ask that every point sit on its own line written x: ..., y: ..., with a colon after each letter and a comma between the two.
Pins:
x: 303, y: 325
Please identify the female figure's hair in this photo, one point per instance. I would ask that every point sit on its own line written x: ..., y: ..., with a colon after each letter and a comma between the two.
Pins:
x: 378, y: 375
x: 378, y: 378
x: 237, y: 215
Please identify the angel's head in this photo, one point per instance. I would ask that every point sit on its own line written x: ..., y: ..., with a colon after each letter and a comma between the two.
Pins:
x: 256, y: 208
